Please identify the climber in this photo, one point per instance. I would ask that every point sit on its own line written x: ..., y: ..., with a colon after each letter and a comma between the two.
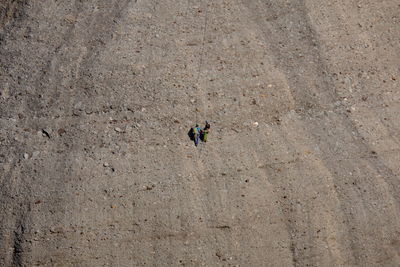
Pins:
x: 196, y: 134
x: 204, y: 132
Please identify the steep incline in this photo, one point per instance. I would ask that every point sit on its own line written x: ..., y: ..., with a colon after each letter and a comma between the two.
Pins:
x: 302, y: 164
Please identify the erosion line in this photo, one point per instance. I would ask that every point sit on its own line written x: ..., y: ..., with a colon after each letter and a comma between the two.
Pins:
x: 202, y: 49
x: 203, y: 43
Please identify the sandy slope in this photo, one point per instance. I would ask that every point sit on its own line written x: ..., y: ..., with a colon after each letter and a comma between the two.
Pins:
x: 97, y: 98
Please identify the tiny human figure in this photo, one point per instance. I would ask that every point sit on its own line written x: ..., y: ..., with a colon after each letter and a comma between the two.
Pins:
x: 205, y: 132
x: 196, y: 134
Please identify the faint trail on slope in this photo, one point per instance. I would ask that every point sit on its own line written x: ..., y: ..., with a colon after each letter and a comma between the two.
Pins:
x: 202, y: 54
x: 9, y: 11
x: 203, y: 43
x: 294, y: 52
x: 18, y: 250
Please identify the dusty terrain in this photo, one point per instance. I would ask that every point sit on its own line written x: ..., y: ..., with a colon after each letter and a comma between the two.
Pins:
x: 302, y: 164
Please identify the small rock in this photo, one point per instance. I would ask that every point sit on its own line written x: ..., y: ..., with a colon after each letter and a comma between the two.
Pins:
x: 337, y: 103
x: 70, y: 18
x: 148, y: 188
x: 26, y: 156
x: 105, y: 164
x: 117, y: 129
x: 61, y: 132
x: 46, y: 133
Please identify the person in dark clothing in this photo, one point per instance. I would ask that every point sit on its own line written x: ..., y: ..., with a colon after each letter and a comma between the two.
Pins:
x: 205, y: 131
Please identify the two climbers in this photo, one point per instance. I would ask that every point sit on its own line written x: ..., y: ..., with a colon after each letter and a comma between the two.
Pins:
x: 196, y: 133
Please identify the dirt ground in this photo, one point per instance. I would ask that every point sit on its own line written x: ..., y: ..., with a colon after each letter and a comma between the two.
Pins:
x: 302, y: 163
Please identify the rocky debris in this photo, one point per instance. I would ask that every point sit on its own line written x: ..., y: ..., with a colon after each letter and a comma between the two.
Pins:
x: 76, y: 112
x: 108, y: 167
x: 277, y: 120
x: 57, y: 230
x: 338, y: 103
x: 149, y: 187
x: 35, y: 154
x: 61, y: 132
x: 136, y: 125
x: 118, y: 130
x: 223, y: 227
x: 26, y: 156
x: 46, y: 133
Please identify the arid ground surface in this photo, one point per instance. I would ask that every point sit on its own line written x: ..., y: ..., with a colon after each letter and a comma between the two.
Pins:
x: 302, y: 166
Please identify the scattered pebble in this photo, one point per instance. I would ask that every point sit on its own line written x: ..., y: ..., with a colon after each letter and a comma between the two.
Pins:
x: 117, y: 129
x: 61, y: 132
x: 148, y: 188
x: 26, y: 156
x: 46, y: 133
